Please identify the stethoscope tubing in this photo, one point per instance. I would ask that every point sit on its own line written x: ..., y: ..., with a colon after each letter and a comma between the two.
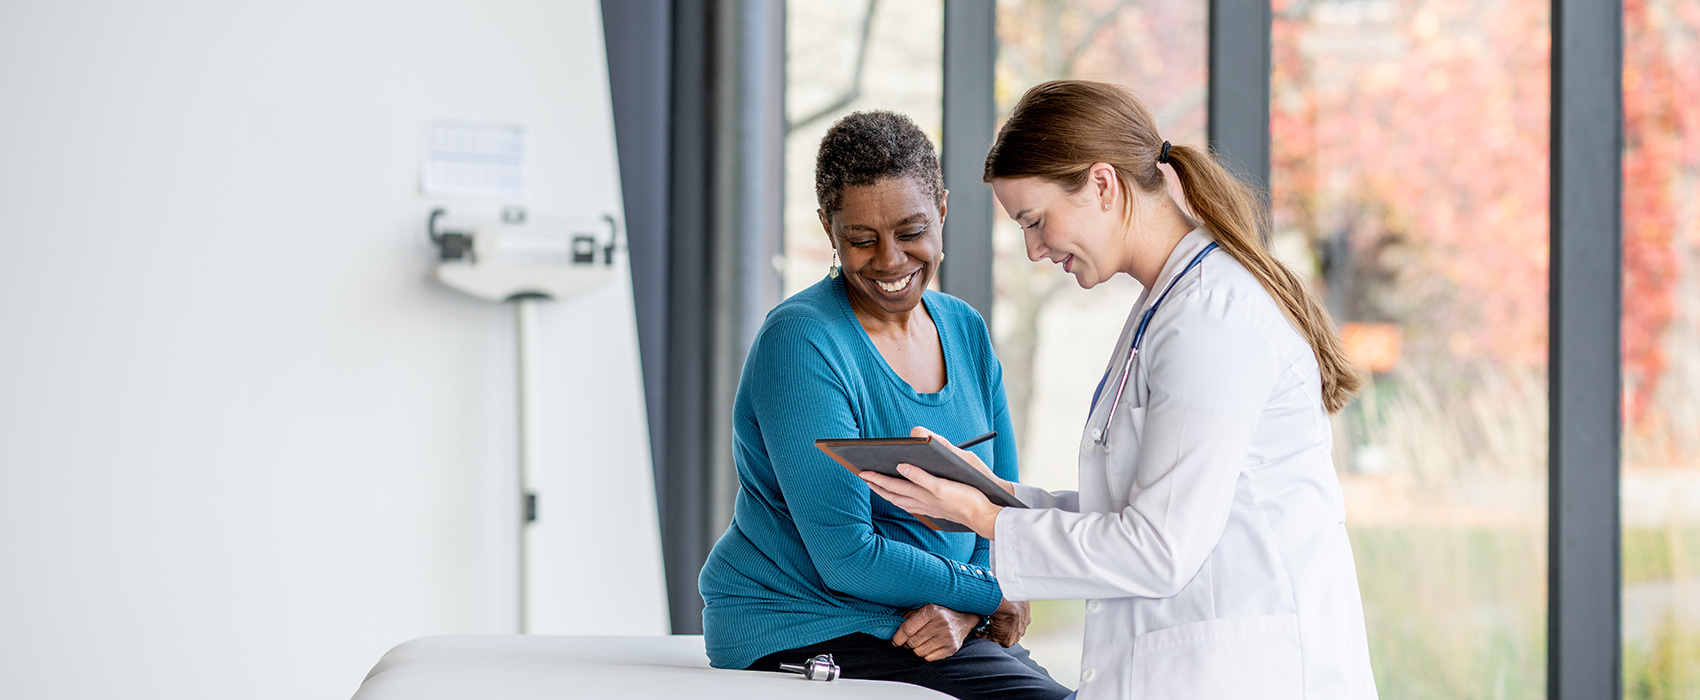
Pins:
x: 1138, y: 335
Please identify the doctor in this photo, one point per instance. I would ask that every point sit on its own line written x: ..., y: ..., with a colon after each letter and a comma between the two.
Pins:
x: 1208, y: 533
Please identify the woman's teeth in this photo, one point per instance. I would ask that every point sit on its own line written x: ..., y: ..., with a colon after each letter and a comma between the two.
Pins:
x: 897, y: 286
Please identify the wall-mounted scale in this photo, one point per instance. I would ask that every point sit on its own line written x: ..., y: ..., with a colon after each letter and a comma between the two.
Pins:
x: 523, y: 263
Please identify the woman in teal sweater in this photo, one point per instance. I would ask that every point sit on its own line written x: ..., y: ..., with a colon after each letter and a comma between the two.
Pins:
x: 813, y: 562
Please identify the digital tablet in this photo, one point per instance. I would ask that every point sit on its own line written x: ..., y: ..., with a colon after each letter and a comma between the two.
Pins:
x: 882, y: 455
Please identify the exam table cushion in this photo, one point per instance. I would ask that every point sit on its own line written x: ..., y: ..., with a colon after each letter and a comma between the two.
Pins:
x: 528, y: 667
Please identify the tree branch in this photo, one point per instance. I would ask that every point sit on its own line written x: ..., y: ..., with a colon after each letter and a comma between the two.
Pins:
x: 853, y: 91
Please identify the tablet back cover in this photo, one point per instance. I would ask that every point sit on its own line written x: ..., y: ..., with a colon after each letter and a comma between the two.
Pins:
x: 882, y: 455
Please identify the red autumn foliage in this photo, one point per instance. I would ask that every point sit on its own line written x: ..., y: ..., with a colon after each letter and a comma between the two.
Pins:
x: 1419, y: 137
x: 1661, y: 79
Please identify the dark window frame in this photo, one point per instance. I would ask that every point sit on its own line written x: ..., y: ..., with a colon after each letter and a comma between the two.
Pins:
x: 1584, y: 582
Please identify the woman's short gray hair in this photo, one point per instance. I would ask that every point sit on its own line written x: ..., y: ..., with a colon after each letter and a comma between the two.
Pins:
x: 866, y: 147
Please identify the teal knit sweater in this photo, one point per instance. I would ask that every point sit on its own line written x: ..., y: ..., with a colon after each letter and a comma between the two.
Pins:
x: 811, y: 553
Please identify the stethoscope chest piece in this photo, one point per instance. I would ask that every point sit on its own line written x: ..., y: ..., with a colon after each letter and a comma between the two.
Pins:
x: 1097, y: 438
x: 819, y: 668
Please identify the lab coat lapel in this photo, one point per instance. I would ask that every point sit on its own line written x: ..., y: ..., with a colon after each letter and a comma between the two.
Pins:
x: 1094, y: 479
x: 1189, y: 245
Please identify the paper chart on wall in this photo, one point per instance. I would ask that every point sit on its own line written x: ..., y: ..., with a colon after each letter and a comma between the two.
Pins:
x: 484, y: 160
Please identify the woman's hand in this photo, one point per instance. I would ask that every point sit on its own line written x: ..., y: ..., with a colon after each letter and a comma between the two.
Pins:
x: 926, y: 495
x: 1009, y: 623
x: 935, y: 632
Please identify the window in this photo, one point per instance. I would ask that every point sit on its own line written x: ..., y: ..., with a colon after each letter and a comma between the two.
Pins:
x: 1660, y: 486
x: 1409, y: 148
x: 842, y: 57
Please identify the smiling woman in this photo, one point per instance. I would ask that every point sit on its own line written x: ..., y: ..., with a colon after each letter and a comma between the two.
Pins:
x: 887, y: 237
x: 882, y: 205
x: 812, y: 562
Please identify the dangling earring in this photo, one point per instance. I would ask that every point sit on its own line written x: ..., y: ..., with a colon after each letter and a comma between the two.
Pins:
x: 833, y: 271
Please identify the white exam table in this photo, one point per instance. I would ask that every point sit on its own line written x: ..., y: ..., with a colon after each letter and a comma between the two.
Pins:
x: 535, y: 667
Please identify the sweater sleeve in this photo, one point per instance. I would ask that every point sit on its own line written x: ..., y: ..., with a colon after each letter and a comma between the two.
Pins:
x: 799, y: 395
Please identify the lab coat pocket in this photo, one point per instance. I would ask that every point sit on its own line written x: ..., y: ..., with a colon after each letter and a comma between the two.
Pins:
x: 1241, y: 657
x: 1122, y: 460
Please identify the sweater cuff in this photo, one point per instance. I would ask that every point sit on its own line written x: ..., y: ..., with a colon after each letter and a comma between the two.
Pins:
x: 978, y: 590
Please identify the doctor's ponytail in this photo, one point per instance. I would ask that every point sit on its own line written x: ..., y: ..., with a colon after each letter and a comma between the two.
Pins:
x: 1061, y: 128
x: 1232, y: 213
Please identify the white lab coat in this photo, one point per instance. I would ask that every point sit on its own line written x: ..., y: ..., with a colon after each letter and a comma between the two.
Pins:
x: 1209, y: 538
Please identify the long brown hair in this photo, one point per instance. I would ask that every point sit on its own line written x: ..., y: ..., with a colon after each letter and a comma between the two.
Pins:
x: 1061, y: 128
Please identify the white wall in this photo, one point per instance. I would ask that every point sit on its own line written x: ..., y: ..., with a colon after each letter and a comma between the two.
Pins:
x: 246, y: 445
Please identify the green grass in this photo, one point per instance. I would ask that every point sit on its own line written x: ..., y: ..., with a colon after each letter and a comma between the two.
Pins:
x: 1666, y: 664
x: 1053, y: 616
x: 1666, y: 669
x: 1460, y: 613
x: 1660, y: 554
x: 1454, y: 614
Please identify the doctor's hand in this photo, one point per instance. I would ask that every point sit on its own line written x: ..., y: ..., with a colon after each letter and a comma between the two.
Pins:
x: 1009, y: 623
x: 934, y: 632
x: 926, y: 495
x: 969, y: 457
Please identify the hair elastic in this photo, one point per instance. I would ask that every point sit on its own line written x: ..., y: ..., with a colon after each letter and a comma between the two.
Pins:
x: 1164, y: 156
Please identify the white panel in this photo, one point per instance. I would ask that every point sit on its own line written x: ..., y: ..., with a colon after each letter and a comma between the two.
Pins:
x: 246, y: 444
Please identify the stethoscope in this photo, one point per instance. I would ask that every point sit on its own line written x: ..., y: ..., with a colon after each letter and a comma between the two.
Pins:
x: 818, y: 668
x: 1103, y: 438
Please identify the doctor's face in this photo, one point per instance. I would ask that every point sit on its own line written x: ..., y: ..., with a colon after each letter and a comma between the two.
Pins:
x: 1073, y: 230
x: 890, y: 238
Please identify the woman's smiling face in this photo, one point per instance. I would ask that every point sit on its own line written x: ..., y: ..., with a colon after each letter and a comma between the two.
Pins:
x: 1072, y: 230
x: 889, y: 237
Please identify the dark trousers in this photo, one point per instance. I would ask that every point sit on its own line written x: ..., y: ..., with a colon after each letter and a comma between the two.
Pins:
x: 981, y: 670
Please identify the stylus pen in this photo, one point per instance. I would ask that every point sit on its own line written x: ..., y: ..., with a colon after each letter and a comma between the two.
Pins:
x: 975, y: 441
